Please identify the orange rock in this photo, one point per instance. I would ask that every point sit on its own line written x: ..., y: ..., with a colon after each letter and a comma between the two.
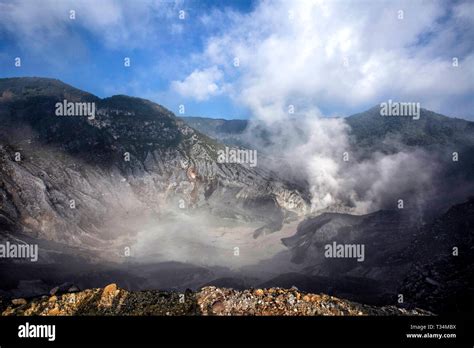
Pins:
x: 54, y: 311
x: 108, y: 295
x: 110, y: 290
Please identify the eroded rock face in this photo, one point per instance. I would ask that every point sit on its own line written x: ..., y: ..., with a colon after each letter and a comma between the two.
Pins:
x: 441, y: 275
x: 431, y: 265
x: 83, y: 182
x: 112, y: 300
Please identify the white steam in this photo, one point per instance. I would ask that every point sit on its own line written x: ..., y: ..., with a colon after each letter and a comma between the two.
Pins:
x: 307, y: 56
x: 318, y: 151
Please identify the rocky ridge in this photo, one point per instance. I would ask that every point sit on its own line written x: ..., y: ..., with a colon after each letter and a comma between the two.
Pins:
x: 210, y: 300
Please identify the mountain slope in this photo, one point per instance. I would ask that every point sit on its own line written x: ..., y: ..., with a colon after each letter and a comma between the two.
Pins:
x: 400, y: 257
x: 431, y: 128
x: 441, y: 276
x: 133, y: 160
x: 367, y: 129
x: 444, y: 144
x: 226, y: 131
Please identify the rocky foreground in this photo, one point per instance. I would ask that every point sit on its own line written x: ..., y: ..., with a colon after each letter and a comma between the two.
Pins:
x: 112, y: 300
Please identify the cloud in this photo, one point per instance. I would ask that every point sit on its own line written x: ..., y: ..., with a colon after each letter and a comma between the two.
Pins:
x: 200, y: 84
x: 115, y: 24
x: 345, y: 55
x: 328, y: 55
x: 340, y: 55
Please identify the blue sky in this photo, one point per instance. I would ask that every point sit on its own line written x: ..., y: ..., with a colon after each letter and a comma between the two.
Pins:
x: 332, y: 59
x: 87, y: 62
